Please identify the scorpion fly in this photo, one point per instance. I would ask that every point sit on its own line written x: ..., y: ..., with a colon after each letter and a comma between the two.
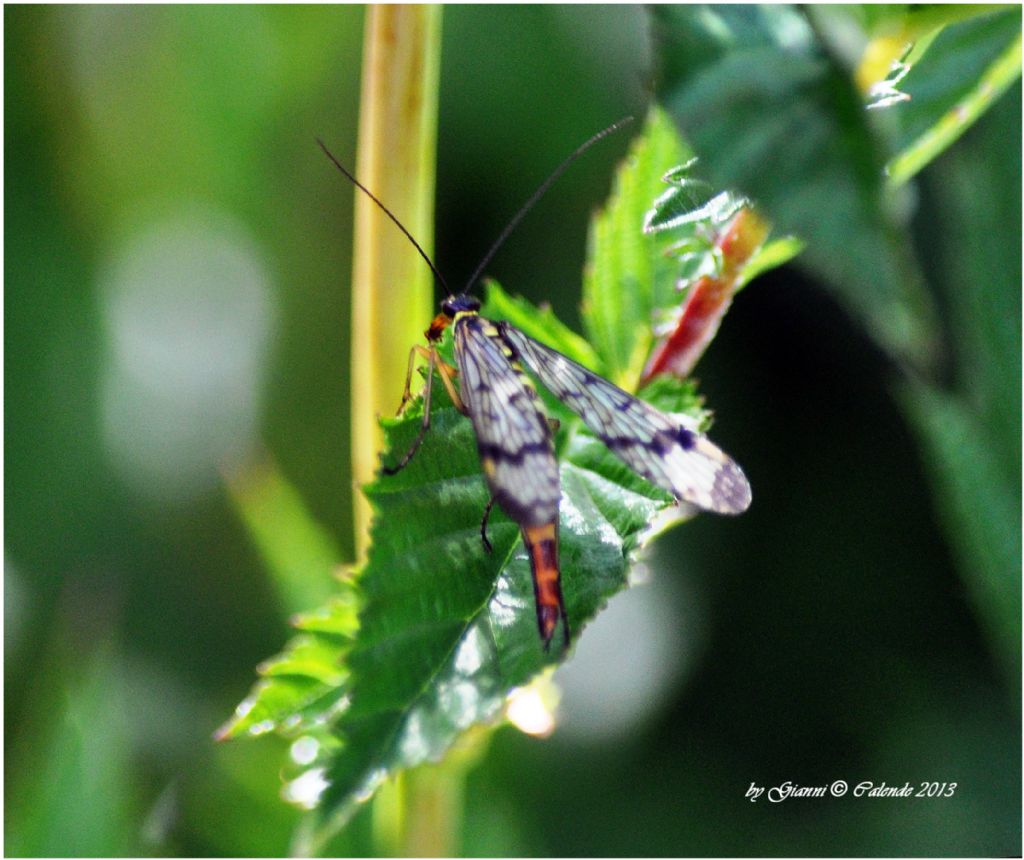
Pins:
x: 513, y: 433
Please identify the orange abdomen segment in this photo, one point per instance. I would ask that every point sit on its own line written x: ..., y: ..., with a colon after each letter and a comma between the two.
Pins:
x: 542, y: 545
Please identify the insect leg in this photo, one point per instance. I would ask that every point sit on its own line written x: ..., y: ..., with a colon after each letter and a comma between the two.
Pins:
x: 483, y: 524
x: 407, y: 392
x: 448, y: 378
x: 431, y: 360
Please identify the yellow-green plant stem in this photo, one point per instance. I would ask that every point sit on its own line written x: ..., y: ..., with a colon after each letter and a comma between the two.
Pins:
x: 435, y: 794
x: 419, y: 812
x: 391, y: 285
x: 392, y: 293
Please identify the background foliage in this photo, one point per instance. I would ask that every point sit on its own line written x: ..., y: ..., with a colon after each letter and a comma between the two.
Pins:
x: 176, y: 308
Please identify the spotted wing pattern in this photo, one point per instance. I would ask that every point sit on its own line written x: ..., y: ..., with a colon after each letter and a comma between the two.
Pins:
x: 665, y: 449
x: 512, y: 432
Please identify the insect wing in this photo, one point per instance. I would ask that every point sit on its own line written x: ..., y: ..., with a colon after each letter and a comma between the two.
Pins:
x: 512, y: 432
x: 665, y: 449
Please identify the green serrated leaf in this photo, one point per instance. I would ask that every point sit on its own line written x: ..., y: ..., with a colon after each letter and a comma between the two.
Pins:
x: 307, y: 657
x: 627, y: 274
x: 967, y: 67
x: 680, y: 174
x: 301, y: 687
x: 774, y: 115
x: 447, y: 630
x: 690, y: 202
x: 337, y: 616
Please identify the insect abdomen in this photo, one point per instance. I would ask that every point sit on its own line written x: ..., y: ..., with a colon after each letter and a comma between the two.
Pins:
x: 542, y: 545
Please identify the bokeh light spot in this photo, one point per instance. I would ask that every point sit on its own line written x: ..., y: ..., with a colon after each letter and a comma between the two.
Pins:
x: 628, y: 661
x: 189, y: 311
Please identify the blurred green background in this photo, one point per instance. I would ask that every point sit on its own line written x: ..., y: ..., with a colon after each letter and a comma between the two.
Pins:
x: 177, y: 281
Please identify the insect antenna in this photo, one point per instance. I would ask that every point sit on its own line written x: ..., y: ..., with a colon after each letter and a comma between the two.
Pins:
x: 389, y: 213
x: 545, y: 185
